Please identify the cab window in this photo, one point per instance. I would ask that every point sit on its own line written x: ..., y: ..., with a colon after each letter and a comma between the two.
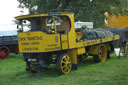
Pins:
x: 46, y: 24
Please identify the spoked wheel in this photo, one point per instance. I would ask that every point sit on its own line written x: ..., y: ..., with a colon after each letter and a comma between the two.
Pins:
x: 4, y: 53
x: 64, y: 64
x: 102, y: 54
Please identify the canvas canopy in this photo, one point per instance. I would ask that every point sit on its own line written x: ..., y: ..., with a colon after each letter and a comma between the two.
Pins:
x: 92, y: 34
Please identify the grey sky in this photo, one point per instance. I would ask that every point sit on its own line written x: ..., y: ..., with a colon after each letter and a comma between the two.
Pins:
x: 8, y: 10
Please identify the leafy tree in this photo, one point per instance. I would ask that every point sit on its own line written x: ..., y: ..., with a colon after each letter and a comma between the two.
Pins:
x: 84, y: 10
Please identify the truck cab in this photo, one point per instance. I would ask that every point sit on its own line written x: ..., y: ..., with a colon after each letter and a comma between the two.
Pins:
x: 48, y: 32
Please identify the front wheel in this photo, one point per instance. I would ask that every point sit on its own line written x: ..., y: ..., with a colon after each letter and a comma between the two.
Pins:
x: 64, y: 64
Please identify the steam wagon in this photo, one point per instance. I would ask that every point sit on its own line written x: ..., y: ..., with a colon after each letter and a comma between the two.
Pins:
x: 52, y: 39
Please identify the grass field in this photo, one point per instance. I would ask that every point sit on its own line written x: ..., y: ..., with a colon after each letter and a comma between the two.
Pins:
x: 111, y: 72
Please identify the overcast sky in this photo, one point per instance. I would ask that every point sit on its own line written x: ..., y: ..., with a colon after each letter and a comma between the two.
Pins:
x: 8, y: 10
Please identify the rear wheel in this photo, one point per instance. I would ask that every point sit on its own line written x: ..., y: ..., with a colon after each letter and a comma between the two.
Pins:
x: 102, y: 54
x: 64, y: 64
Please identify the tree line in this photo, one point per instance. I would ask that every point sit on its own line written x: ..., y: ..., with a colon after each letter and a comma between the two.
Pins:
x: 84, y: 10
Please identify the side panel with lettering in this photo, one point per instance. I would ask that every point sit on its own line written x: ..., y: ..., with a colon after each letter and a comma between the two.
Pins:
x: 38, y: 42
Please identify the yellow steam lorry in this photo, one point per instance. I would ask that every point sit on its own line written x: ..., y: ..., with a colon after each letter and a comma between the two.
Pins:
x: 52, y: 39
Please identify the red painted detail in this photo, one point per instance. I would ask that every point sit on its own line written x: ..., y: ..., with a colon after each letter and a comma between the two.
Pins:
x: 4, y: 53
x: 17, y: 48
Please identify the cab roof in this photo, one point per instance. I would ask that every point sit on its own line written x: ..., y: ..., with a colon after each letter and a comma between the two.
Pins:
x: 41, y: 15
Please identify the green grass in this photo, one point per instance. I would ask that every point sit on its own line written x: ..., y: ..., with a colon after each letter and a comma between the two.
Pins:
x: 111, y: 72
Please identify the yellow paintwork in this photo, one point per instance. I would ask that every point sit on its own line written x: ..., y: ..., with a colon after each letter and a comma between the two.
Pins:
x: 42, y: 42
x: 107, y: 39
x: 72, y: 34
x: 73, y: 55
x: 64, y: 41
x: 30, y: 16
x: 117, y: 21
x: 54, y: 21
x: 88, y: 43
x: 79, y: 36
x: 94, y: 50
x: 81, y: 51
x: 38, y: 42
x: 98, y: 41
x: 116, y: 37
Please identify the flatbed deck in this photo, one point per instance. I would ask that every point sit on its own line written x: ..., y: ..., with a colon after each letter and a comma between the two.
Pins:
x: 98, y: 41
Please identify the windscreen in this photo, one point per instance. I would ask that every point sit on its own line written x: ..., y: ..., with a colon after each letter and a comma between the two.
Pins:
x: 47, y: 24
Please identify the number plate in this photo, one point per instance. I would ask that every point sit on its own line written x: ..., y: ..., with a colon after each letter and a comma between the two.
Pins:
x: 32, y: 59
